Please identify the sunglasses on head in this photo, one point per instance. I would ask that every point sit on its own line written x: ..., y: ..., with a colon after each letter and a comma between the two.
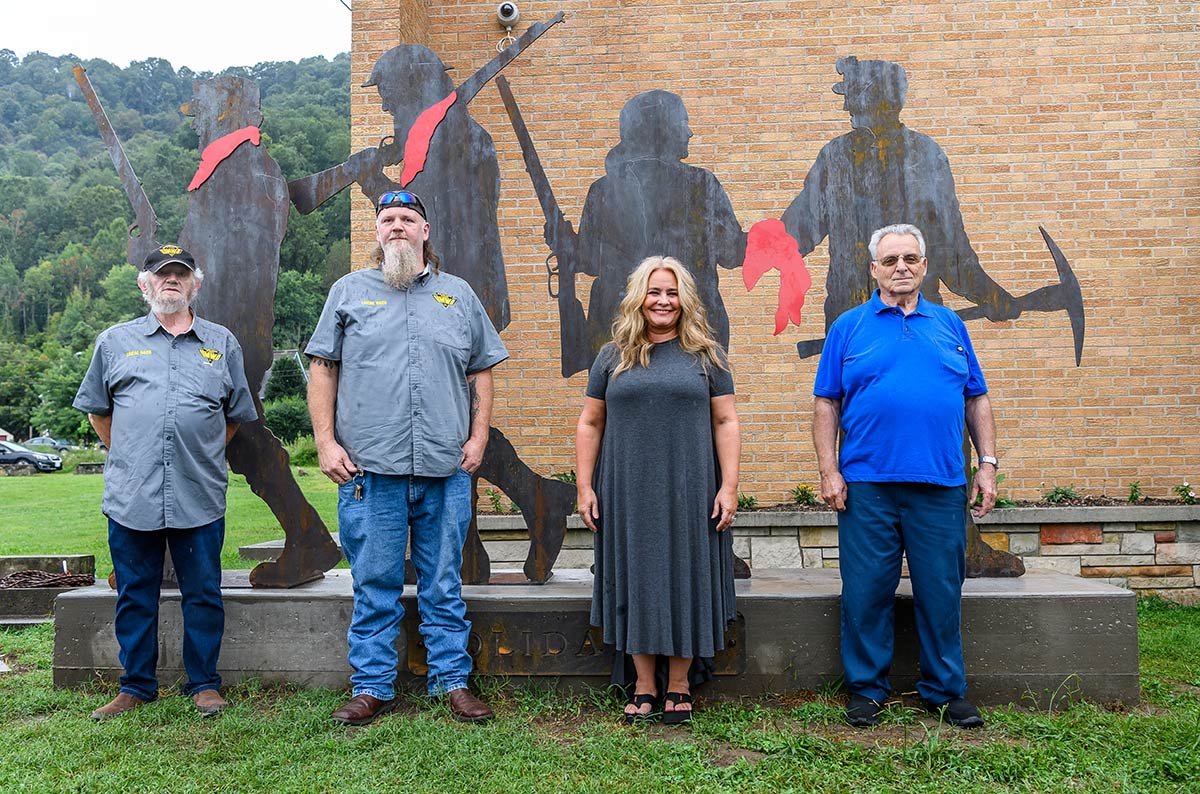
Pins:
x: 400, y: 198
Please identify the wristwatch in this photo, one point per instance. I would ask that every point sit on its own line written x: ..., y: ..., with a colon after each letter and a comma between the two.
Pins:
x: 989, y: 459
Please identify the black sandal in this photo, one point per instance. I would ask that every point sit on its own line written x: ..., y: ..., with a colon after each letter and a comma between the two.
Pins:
x: 637, y: 701
x: 677, y: 716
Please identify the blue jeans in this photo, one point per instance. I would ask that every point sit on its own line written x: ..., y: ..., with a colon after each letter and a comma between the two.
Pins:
x: 882, y: 522
x: 374, y: 532
x: 138, y: 562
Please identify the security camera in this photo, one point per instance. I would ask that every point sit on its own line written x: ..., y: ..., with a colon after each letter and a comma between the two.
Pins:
x: 507, y: 14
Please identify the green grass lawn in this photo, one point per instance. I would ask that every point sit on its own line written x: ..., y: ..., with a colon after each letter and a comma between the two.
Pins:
x: 59, y: 513
x: 281, y: 740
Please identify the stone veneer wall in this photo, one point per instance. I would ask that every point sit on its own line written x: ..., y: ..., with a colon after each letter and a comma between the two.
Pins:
x: 1150, y: 550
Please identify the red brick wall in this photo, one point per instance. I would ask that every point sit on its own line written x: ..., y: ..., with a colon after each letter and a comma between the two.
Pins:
x: 1079, y: 116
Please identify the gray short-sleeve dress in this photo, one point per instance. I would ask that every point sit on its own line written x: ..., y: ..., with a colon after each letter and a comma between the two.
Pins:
x: 664, y: 575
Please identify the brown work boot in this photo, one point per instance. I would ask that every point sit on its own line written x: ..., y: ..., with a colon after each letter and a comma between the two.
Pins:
x: 467, y: 708
x: 362, y: 710
x: 122, y: 703
x: 209, y: 702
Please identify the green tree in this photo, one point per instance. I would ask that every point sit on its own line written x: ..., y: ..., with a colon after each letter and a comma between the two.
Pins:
x: 109, y: 244
x: 120, y: 299
x: 287, y: 418
x: 64, y: 215
x: 305, y: 244
x: 286, y: 379
x: 298, y: 301
x: 19, y: 369
x: 56, y: 388
x: 10, y: 299
x: 41, y: 297
x: 76, y: 327
x: 337, y: 262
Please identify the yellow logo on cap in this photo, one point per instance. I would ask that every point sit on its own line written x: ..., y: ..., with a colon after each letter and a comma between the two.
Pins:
x: 210, y: 355
x: 444, y: 299
x: 170, y: 250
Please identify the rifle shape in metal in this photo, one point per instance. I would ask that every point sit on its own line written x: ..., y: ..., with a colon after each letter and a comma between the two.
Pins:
x: 459, y: 161
x: 649, y: 202
x: 235, y: 223
x: 145, y: 225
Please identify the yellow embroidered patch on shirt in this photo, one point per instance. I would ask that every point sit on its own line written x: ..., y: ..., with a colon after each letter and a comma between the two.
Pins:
x: 374, y: 303
x: 210, y: 355
x: 129, y: 353
x: 444, y: 299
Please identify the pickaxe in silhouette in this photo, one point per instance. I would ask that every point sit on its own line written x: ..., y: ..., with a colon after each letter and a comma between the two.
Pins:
x: 1063, y: 296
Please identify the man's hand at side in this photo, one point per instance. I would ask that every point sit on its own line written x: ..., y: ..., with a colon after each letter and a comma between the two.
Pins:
x: 322, y: 398
x: 480, y: 385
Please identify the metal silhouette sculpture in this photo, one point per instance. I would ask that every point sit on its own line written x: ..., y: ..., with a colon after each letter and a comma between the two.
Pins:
x: 237, y: 217
x: 458, y: 179
x: 648, y: 202
x: 882, y: 173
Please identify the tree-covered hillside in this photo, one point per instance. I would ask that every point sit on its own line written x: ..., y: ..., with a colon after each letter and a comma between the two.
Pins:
x: 63, y: 214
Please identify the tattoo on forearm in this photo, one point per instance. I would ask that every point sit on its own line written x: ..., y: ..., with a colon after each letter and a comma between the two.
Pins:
x: 474, y: 398
x: 324, y: 362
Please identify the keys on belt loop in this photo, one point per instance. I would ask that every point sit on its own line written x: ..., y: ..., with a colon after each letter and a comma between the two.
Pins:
x: 358, y: 478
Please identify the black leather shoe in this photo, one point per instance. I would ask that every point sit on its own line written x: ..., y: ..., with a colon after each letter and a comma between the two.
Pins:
x: 862, y: 712
x: 363, y: 710
x: 957, y: 712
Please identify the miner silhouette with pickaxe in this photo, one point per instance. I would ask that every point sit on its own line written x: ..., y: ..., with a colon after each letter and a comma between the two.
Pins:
x: 882, y: 173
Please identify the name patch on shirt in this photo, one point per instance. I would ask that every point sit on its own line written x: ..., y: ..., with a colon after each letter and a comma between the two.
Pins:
x: 129, y: 353
x: 210, y: 355
x: 374, y: 303
x: 444, y: 299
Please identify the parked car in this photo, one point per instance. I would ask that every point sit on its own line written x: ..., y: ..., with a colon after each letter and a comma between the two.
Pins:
x: 56, y: 444
x: 15, y: 454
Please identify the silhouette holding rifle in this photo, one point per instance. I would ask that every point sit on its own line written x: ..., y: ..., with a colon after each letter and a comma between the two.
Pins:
x: 236, y: 220
x: 649, y: 202
x: 459, y: 183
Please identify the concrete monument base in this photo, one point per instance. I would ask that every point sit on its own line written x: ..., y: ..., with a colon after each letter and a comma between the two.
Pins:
x: 1040, y: 639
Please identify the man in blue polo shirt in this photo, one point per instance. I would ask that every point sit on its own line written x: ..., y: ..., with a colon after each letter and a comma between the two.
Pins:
x: 899, y: 376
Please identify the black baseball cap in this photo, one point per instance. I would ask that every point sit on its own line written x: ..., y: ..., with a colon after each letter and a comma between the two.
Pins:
x: 168, y: 255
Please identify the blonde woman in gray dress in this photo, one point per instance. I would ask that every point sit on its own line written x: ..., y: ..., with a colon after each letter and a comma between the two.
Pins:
x: 656, y: 458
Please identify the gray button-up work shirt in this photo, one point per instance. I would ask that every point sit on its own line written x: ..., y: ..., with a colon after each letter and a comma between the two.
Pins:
x: 170, y: 398
x: 402, y: 401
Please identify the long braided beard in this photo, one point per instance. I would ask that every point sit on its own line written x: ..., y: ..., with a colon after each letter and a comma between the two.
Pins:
x: 401, y: 264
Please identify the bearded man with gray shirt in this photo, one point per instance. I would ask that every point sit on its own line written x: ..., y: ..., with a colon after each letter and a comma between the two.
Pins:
x: 165, y: 393
x: 400, y: 392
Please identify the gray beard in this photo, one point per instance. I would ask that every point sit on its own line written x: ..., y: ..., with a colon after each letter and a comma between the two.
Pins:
x: 166, y: 306
x: 401, y: 265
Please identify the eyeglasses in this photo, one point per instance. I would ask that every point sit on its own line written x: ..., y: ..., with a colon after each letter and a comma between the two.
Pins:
x: 909, y: 259
x: 400, y: 198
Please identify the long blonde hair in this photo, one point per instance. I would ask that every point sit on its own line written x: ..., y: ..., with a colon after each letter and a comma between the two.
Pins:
x: 629, y: 329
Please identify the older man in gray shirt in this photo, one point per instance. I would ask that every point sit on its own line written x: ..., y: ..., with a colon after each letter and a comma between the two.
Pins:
x: 400, y: 394
x: 165, y: 393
